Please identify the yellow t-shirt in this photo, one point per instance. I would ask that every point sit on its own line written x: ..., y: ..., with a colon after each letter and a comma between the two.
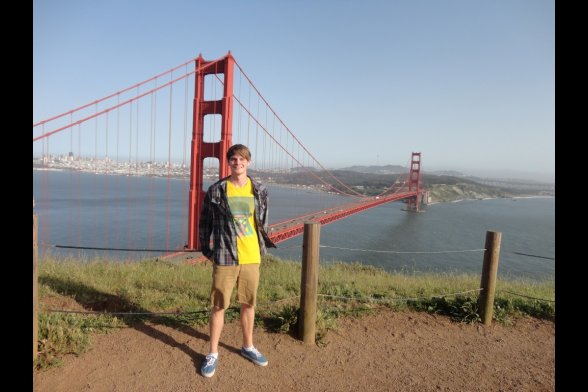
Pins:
x: 242, y: 208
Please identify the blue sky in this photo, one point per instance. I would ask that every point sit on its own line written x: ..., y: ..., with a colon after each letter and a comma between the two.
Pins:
x: 469, y: 84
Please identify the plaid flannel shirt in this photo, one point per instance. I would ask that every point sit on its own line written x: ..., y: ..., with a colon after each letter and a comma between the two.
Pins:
x: 217, y: 233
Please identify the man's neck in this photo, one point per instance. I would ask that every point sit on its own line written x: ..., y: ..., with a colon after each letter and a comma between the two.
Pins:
x: 239, y: 179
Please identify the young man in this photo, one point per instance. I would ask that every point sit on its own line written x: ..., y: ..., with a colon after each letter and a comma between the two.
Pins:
x: 233, y: 234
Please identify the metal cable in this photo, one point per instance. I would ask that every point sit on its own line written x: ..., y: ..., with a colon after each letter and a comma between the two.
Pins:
x: 397, y: 298
x: 262, y: 304
x: 379, y: 300
x: 526, y: 296
x: 122, y: 313
x: 122, y: 249
x: 530, y: 255
x: 394, y: 251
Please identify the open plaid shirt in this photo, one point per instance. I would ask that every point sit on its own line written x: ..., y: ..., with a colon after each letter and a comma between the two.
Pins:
x: 218, y: 236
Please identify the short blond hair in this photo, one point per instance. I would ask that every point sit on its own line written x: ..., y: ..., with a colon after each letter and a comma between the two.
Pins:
x: 239, y: 149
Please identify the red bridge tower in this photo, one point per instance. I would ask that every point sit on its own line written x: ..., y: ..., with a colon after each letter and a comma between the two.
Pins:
x: 414, y: 181
x: 201, y: 149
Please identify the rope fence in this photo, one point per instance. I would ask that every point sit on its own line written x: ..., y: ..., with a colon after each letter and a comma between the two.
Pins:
x: 264, y: 304
x: 403, y: 252
x: 431, y: 251
x: 46, y: 245
x: 271, y: 303
x: 124, y: 313
x: 118, y: 249
x: 309, y: 280
x: 526, y: 296
x: 386, y: 300
x: 537, y: 256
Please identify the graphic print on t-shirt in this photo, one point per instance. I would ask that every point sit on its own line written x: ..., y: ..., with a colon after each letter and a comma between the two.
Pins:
x: 242, y: 210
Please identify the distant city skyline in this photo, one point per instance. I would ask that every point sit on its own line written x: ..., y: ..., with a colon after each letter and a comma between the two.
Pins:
x: 468, y: 84
x: 496, y: 174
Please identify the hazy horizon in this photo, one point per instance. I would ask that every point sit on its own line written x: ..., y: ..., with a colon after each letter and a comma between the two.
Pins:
x: 545, y: 177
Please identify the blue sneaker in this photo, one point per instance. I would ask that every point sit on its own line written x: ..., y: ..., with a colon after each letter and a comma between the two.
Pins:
x: 254, y: 356
x: 209, y: 366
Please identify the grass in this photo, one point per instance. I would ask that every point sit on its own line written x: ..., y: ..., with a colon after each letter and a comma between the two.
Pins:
x: 178, y: 295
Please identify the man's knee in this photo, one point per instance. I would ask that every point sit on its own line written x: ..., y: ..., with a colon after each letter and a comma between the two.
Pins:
x: 217, y: 310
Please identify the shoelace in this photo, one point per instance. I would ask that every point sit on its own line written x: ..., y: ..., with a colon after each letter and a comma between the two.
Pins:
x: 210, y: 360
x: 255, y: 352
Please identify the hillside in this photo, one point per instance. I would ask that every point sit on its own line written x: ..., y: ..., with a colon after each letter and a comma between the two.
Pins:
x: 386, y: 169
x: 443, y: 187
x: 459, y: 191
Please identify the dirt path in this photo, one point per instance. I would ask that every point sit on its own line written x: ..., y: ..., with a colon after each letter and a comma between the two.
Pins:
x: 388, y: 351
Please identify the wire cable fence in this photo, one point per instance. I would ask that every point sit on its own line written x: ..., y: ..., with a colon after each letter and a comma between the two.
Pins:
x: 527, y: 296
x: 536, y: 256
x: 59, y: 246
x: 388, y: 300
x: 489, y: 290
x: 404, y: 252
x: 264, y: 304
x: 431, y: 251
x: 271, y: 303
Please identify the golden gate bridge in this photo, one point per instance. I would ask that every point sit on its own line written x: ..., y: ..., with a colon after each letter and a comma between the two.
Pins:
x: 178, y: 122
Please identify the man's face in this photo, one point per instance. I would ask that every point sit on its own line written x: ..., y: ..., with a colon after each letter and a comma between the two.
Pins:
x: 238, y: 164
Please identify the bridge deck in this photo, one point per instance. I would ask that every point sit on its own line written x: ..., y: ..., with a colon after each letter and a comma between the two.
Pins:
x: 285, y: 230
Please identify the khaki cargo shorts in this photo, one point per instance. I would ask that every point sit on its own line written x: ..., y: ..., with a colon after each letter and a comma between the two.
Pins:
x: 226, y: 277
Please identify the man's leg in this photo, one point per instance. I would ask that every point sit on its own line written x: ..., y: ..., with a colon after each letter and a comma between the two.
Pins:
x: 247, y: 296
x: 223, y: 281
x: 248, y: 350
x: 215, y: 327
x: 247, y: 285
x: 247, y: 320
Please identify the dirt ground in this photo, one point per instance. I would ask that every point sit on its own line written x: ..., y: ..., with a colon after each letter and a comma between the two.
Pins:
x: 387, y: 351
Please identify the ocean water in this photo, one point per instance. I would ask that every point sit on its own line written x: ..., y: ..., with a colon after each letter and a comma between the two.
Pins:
x: 92, y: 210
x: 446, y: 237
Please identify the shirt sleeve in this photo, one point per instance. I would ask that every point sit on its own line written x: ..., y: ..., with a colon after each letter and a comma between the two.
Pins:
x: 264, y: 220
x: 265, y: 214
x: 205, y: 226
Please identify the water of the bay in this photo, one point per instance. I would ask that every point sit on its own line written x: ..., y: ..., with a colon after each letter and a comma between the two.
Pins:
x: 446, y: 237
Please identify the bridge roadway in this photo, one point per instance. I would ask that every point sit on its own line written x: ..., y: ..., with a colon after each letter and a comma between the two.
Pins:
x: 290, y: 228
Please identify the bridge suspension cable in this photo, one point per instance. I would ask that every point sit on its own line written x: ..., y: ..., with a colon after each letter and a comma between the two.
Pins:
x: 118, y: 93
x: 292, y: 134
x: 116, y: 106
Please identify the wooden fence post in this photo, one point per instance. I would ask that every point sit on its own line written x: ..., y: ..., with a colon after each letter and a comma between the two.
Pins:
x: 489, y: 272
x: 309, y: 282
x: 35, y: 289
